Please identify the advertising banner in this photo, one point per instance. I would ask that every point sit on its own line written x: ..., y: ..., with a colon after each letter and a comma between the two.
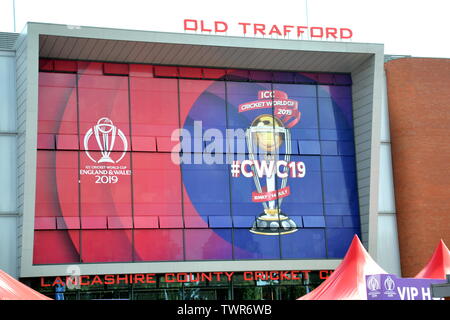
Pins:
x: 390, y: 287
x: 161, y: 163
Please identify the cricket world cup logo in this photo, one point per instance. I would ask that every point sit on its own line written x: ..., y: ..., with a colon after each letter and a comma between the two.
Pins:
x: 105, y: 133
x: 266, y: 135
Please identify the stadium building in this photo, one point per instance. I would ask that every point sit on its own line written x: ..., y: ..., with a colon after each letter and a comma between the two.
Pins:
x: 153, y: 165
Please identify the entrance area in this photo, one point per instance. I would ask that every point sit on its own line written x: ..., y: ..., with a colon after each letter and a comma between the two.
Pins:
x: 238, y: 288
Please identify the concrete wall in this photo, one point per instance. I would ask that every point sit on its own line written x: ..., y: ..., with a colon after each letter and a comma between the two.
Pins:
x: 8, y: 182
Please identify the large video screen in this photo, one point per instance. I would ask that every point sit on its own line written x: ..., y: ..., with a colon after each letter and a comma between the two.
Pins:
x: 164, y: 163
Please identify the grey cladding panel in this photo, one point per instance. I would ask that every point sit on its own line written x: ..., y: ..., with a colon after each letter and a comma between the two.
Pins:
x: 159, y: 52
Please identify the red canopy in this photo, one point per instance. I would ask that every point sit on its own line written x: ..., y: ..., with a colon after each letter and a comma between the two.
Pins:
x: 11, y: 289
x: 439, y: 265
x: 348, y: 281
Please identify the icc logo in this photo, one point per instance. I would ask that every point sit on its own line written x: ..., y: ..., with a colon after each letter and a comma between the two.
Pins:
x: 373, y: 284
x: 389, y: 284
x: 105, y: 133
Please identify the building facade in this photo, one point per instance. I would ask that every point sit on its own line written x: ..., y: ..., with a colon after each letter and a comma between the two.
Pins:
x: 139, y: 163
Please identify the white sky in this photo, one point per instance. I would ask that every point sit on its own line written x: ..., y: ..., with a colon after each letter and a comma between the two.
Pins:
x: 406, y: 27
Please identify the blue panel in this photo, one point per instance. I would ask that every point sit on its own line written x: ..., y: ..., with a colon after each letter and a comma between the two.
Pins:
x: 338, y: 241
x: 219, y: 191
x: 294, y: 208
x: 312, y: 163
x: 295, y: 148
x: 329, y: 147
x: 243, y: 221
x: 298, y: 91
x: 339, y: 187
x: 306, y: 193
x: 332, y: 134
x: 343, y: 79
x: 220, y: 222
x: 343, y: 113
x: 313, y: 221
x: 287, y: 77
x: 345, y: 135
x: 304, y: 244
x: 326, y: 114
x: 241, y: 195
x: 336, y: 92
x: 351, y: 221
x: 342, y: 209
x: 337, y: 163
x: 328, y: 134
x: 346, y: 148
x: 305, y: 190
x: 309, y: 147
x: 298, y: 220
x: 254, y: 246
x: 308, y: 110
x: 333, y: 221
x: 305, y: 134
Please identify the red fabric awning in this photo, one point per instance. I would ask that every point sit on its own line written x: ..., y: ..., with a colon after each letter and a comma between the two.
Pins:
x: 12, y: 289
x: 439, y: 265
x: 348, y: 281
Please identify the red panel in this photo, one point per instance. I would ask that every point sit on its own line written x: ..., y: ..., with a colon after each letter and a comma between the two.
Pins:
x: 103, y: 97
x: 106, y: 246
x: 68, y: 223
x: 105, y: 188
x: 120, y: 222
x: 256, y: 75
x: 157, y: 185
x: 165, y: 144
x: 169, y: 245
x: 115, y: 68
x: 206, y: 244
x: 326, y: 78
x: 44, y: 223
x: 237, y: 75
x: 46, y: 141
x: 195, y: 73
x: 46, y: 65
x: 144, y: 143
x: 67, y: 142
x: 141, y: 70
x: 194, y: 222
x: 300, y: 77
x: 146, y: 222
x: 93, y: 68
x: 214, y: 73
x: 57, y: 103
x: 56, y: 247
x: 66, y: 66
x: 51, y: 179
x: 191, y: 90
x: 93, y: 223
x: 154, y: 106
x: 166, y: 71
x: 173, y: 222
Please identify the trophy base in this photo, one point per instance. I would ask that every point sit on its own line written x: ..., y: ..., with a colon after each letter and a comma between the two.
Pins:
x: 273, y: 225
